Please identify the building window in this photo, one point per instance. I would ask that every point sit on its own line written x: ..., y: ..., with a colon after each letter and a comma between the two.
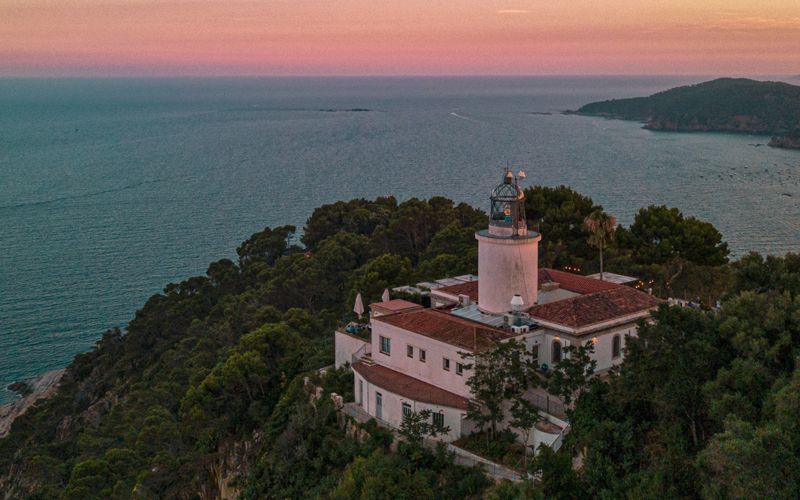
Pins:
x: 438, y: 419
x: 446, y: 364
x: 422, y: 355
x: 406, y: 410
x: 410, y: 351
x: 556, y: 357
x: 360, y: 392
x: 616, y: 348
x: 378, y: 405
x: 386, y: 345
x: 459, y: 369
x: 535, y: 353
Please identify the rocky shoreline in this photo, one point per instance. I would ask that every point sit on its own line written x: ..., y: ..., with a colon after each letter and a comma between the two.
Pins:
x: 662, y: 125
x: 31, y: 390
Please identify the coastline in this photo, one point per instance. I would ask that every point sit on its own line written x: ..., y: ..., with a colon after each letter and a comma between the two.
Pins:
x: 32, y: 390
x: 780, y: 141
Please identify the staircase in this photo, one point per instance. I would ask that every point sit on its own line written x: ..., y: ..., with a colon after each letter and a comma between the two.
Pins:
x: 361, y: 355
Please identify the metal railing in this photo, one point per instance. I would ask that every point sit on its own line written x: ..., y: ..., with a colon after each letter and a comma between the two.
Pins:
x: 356, y: 356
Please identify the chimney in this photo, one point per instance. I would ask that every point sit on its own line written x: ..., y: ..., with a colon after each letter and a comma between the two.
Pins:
x: 549, y: 286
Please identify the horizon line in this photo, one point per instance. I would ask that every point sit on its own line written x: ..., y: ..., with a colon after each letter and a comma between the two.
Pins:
x: 425, y: 75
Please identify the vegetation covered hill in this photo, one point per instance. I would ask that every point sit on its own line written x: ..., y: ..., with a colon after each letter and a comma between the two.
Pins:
x: 722, y: 105
x: 202, y: 395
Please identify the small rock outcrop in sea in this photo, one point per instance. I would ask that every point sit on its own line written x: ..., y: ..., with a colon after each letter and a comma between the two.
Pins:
x: 785, y: 141
x: 32, y: 390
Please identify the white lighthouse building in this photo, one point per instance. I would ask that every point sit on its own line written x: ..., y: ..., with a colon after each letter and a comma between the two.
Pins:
x: 410, y: 358
x: 508, y: 253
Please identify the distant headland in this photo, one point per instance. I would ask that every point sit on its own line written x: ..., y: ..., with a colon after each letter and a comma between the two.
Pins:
x: 722, y: 105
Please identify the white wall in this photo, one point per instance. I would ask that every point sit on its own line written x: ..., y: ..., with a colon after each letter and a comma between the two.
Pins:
x: 431, y: 370
x: 507, y: 267
x: 392, y: 408
x: 602, y: 348
x: 345, y: 346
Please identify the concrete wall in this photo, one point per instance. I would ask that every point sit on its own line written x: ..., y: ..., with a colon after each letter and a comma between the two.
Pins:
x: 431, y: 370
x: 346, y: 346
x: 507, y: 267
x: 392, y: 408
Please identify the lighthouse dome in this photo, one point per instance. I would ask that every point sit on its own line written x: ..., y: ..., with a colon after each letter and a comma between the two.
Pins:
x: 507, y: 211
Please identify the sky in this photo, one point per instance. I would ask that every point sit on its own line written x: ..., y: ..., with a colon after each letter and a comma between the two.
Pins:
x: 398, y: 37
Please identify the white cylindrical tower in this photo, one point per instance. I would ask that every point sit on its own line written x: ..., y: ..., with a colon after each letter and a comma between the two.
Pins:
x: 508, y: 254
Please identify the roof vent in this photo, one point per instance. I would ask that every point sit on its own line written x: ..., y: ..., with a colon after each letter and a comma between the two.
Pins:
x: 517, y: 303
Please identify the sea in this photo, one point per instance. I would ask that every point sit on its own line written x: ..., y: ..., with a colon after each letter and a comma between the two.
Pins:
x: 112, y: 188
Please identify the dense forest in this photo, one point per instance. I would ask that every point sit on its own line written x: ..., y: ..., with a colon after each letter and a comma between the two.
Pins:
x: 202, y: 395
x: 721, y: 105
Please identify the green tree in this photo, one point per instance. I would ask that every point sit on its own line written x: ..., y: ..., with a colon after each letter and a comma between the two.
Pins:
x: 382, y: 476
x: 765, y: 327
x: 371, y: 279
x: 660, y: 234
x: 419, y: 425
x: 500, y: 374
x: 601, y: 228
x: 559, y: 214
x: 558, y: 478
x: 747, y: 462
x: 668, y: 364
x: 266, y: 246
x: 573, y: 372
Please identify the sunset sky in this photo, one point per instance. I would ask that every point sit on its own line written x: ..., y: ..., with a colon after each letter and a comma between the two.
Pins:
x: 399, y: 37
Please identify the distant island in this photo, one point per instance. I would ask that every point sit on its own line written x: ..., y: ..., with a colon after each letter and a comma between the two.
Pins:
x: 722, y: 105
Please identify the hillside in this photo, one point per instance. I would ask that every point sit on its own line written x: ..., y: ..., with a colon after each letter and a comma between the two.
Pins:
x: 721, y: 105
x: 202, y: 396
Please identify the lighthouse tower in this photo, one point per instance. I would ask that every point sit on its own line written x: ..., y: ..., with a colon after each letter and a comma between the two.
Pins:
x: 508, y: 254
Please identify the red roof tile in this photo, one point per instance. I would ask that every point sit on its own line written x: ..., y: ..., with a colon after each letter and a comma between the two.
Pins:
x: 574, y: 282
x: 598, y: 307
x: 395, y: 305
x: 469, y: 288
x: 409, y: 387
x: 568, y: 281
x: 447, y: 328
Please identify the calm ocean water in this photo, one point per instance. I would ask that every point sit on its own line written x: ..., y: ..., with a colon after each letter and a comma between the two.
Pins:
x: 110, y: 189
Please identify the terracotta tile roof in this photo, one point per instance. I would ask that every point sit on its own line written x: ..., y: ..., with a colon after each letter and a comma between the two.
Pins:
x: 447, y: 328
x: 395, y: 305
x: 568, y: 281
x: 469, y: 288
x: 574, y: 282
x: 409, y: 387
x: 598, y: 307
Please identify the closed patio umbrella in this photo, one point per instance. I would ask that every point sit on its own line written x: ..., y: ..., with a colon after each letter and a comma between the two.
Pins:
x: 359, y: 307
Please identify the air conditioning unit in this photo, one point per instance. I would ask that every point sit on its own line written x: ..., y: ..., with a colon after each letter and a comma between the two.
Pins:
x: 520, y: 328
x: 464, y: 300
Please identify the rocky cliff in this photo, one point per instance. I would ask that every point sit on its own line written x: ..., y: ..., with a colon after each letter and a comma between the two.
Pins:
x: 32, y: 391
